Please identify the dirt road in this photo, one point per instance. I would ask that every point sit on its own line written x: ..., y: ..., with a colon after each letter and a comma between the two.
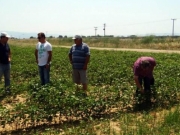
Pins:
x: 135, y: 50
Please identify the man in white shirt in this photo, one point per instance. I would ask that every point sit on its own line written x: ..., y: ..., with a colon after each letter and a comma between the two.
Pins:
x: 43, y: 54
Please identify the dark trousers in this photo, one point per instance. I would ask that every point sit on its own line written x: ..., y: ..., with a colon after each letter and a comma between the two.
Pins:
x: 147, y: 83
x: 5, y: 70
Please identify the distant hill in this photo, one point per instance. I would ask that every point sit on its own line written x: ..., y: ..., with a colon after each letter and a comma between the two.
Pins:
x: 21, y: 35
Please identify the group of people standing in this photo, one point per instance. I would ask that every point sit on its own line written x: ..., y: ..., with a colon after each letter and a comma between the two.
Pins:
x: 79, y: 57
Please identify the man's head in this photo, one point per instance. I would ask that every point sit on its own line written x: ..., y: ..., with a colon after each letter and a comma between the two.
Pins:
x: 77, y: 39
x: 4, y: 37
x: 41, y: 37
x: 145, y: 64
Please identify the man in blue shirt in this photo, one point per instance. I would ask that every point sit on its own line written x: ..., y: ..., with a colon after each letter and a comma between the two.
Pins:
x: 5, y: 58
x: 79, y: 56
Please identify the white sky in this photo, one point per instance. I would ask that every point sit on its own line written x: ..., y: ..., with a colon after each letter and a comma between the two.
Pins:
x: 70, y: 17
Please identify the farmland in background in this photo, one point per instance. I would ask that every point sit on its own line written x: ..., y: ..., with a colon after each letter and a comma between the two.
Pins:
x: 149, y: 42
x: 109, y: 107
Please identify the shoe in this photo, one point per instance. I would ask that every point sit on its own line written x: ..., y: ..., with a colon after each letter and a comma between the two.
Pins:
x: 8, y: 92
x: 84, y: 94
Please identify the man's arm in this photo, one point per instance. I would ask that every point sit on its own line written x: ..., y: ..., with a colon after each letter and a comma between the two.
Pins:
x: 49, y: 57
x: 9, y: 55
x: 70, y: 58
x: 36, y: 55
x: 86, y: 62
x: 139, y: 86
x: 70, y: 55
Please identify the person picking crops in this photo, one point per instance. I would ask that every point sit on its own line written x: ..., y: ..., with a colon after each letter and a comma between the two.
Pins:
x: 143, y: 76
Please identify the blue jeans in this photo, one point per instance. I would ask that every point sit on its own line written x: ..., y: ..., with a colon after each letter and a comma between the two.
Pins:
x: 5, y: 70
x: 44, y: 74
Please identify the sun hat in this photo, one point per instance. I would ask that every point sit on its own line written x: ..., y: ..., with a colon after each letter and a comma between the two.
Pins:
x: 77, y: 37
x: 4, y: 34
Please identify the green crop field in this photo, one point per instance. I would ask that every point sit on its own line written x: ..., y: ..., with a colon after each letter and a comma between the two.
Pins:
x: 109, y: 107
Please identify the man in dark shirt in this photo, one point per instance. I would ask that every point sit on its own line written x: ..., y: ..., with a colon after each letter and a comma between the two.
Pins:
x: 5, y: 58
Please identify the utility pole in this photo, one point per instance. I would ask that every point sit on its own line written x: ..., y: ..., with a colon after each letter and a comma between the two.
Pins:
x: 46, y: 34
x: 104, y: 29
x: 173, y: 27
x: 95, y: 30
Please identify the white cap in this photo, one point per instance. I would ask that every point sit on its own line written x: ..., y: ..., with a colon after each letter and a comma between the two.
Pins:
x: 77, y: 37
x: 4, y: 34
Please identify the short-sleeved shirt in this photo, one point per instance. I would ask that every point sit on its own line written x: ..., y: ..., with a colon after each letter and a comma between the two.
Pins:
x: 79, y: 54
x: 138, y: 70
x: 4, y: 53
x: 43, y: 54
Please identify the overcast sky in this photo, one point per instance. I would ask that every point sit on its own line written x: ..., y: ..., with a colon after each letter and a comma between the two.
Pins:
x: 70, y: 17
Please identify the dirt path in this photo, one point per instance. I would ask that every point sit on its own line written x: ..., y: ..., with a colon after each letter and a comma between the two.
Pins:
x: 129, y: 49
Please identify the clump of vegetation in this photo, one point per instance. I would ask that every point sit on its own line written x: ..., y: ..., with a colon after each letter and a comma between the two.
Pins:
x: 147, y: 39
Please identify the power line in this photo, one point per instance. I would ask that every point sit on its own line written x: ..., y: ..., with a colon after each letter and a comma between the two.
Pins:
x: 149, y: 22
x: 104, y: 26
